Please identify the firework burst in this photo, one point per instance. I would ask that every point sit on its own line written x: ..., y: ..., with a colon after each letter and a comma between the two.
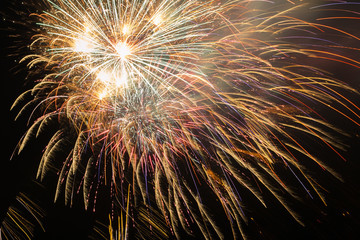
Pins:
x: 168, y: 98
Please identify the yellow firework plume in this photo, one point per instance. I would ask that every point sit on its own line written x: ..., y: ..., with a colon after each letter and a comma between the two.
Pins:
x: 165, y: 98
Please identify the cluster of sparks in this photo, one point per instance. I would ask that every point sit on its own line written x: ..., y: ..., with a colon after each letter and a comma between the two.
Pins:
x: 165, y: 95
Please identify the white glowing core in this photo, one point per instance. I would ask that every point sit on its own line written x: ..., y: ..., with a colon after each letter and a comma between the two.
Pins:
x: 123, y: 50
x: 102, y: 94
x: 105, y: 77
x: 82, y: 45
x: 157, y: 20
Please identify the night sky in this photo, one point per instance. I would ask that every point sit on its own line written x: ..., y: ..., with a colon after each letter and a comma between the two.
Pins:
x: 339, y: 220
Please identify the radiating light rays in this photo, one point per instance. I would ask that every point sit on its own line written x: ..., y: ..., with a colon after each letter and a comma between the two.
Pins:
x: 104, y: 47
x: 171, y: 97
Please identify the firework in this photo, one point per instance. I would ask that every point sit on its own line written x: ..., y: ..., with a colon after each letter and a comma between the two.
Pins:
x: 20, y: 217
x: 163, y: 99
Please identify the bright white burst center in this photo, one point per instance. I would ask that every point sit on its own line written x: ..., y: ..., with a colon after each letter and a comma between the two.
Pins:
x: 123, y: 50
x: 82, y: 45
x: 105, y: 77
x: 157, y: 20
x: 119, y: 78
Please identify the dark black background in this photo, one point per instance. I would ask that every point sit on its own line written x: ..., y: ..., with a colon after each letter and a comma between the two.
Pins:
x: 339, y: 220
